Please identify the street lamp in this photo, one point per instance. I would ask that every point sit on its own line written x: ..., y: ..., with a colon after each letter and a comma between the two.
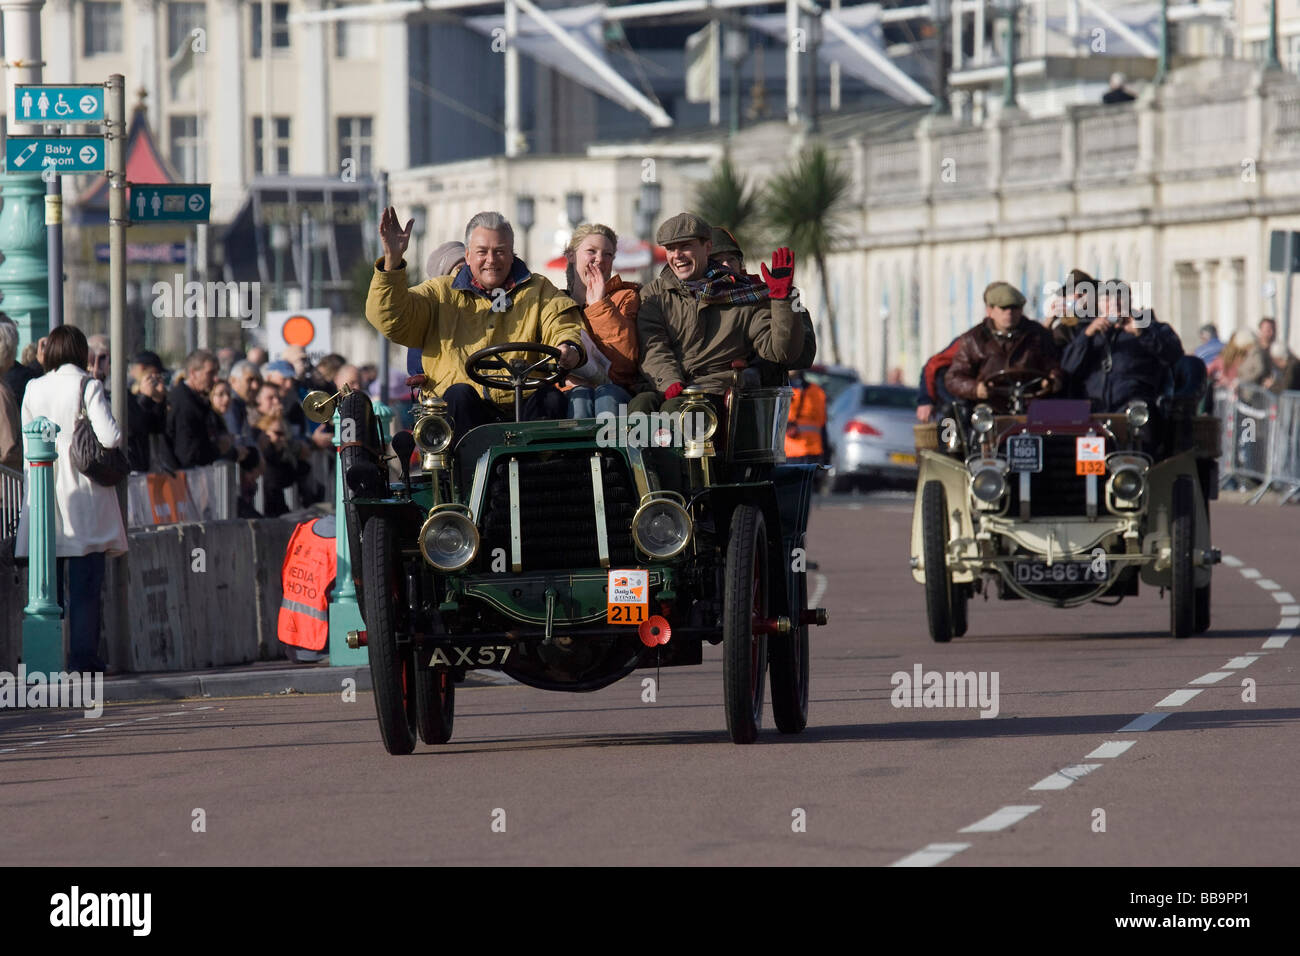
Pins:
x: 1273, y: 62
x: 1162, y: 62
x: 573, y: 208
x: 648, y: 207
x: 1009, y: 9
x: 942, y: 10
x: 525, y: 217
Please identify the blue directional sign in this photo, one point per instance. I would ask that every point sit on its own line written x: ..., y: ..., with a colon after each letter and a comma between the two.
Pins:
x: 67, y: 154
x: 58, y: 103
x: 188, y: 202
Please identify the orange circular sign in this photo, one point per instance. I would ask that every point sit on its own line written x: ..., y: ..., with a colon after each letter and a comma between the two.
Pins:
x: 298, y: 330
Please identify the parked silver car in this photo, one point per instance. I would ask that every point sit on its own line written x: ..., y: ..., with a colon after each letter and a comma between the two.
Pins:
x: 871, y: 435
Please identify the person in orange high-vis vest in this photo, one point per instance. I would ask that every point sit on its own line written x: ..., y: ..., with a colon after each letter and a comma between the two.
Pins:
x: 803, y: 435
x: 306, y: 579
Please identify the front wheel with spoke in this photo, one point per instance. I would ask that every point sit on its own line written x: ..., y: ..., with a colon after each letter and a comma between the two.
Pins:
x: 744, y: 649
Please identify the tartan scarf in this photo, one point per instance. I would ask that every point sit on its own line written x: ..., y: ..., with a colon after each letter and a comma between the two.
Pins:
x: 720, y: 287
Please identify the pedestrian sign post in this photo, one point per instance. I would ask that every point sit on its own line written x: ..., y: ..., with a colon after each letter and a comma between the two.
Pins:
x: 58, y: 103
x: 64, y: 154
x: 187, y: 202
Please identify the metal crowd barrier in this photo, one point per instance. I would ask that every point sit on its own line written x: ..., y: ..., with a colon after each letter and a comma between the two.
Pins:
x: 209, y: 493
x: 11, y: 501
x: 1261, y: 439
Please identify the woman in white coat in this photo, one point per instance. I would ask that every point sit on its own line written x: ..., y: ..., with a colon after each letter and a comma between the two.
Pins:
x: 87, y: 519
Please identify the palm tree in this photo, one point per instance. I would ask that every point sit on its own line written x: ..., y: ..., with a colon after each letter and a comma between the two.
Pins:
x: 804, y: 204
x: 726, y: 199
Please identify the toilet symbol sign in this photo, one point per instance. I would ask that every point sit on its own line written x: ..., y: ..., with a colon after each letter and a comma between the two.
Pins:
x: 58, y: 103
x: 171, y: 203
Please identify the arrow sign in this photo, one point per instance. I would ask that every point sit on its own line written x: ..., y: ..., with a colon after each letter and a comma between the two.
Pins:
x: 189, y: 202
x: 58, y: 103
x: 67, y: 154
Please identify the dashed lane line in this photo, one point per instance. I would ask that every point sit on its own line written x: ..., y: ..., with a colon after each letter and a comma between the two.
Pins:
x: 1283, y: 597
x: 1249, y: 573
x: 932, y: 855
x: 1145, y: 722
x: 1006, y: 817
x: 1211, y: 678
x: 1111, y: 748
x: 1239, y: 662
x: 1276, y: 642
x: 1178, y: 698
x: 1066, y: 776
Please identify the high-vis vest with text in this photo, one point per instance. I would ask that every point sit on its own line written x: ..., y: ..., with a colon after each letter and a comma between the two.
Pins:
x: 803, y: 437
x: 306, y: 578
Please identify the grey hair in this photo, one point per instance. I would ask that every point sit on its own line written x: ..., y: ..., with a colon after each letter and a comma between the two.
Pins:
x: 242, y: 368
x: 8, y: 344
x: 199, y: 358
x: 492, y: 221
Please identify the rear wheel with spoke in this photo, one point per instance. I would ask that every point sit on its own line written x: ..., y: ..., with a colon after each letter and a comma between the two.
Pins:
x: 934, y: 547
x: 788, y: 661
x: 392, y: 668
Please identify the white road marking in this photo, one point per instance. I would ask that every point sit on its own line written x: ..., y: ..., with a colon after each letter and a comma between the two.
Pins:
x: 62, y: 736
x: 209, y: 707
x: 932, y: 855
x: 92, y: 730
x: 1212, y: 678
x: 7, y: 750
x: 1230, y: 561
x: 1288, y: 623
x: 1276, y: 641
x: 1111, y: 748
x: 35, y: 743
x: 154, y: 717
x: 1283, y: 597
x: 1063, y: 778
x: 1145, y: 722
x: 1178, y: 698
x: 1268, y: 585
x: 1007, y: 816
x: 1239, y: 662
x: 819, y: 590
x: 1290, y: 609
x: 1249, y: 573
x: 118, y: 724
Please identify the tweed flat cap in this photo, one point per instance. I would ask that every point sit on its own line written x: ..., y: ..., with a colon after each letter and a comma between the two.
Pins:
x: 1003, y: 295
x: 681, y: 227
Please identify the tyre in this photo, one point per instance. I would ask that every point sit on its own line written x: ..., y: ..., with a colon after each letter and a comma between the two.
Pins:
x: 788, y: 663
x: 392, y: 670
x: 960, y: 603
x: 934, y: 548
x: 745, y: 597
x: 1182, y: 589
x: 1201, y: 613
x: 435, y: 703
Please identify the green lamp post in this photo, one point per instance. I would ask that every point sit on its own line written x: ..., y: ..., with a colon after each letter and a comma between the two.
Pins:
x: 1010, y: 9
x: 42, y: 628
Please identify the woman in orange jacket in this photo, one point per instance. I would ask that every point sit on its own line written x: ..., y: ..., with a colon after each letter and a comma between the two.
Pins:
x: 609, y: 308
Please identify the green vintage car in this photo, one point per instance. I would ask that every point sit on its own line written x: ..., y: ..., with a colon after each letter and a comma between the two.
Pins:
x: 568, y: 554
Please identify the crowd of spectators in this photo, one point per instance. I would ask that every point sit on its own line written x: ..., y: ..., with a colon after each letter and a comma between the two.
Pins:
x: 216, y: 406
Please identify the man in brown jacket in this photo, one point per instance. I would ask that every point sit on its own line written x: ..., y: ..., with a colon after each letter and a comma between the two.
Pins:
x: 1004, y: 340
x: 696, y: 319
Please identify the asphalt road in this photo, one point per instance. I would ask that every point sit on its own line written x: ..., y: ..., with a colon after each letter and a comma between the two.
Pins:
x: 1071, y: 771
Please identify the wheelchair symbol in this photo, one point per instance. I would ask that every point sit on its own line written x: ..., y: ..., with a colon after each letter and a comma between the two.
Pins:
x: 61, y: 107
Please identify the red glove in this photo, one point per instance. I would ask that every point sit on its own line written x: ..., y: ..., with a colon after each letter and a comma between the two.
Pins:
x: 781, y: 277
x: 673, y: 390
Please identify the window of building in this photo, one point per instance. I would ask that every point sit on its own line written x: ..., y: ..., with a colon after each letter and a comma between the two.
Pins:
x: 280, y: 145
x: 182, y: 20
x: 356, y: 142
x: 103, y: 28
x: 185, y: 136
x: 279, y: 26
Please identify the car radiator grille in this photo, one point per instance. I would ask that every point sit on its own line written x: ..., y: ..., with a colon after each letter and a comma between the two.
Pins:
x: 1056, y: 491
x: 558, y: 513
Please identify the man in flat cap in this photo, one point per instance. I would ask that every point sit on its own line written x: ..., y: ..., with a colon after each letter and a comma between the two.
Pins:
x: 697, y: 318
x: 1004, y: 340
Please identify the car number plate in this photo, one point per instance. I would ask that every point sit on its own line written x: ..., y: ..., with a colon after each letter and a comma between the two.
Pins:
x: 1025, y: 453
x: 629, y: 597
x: 1061, y: 572
x: 900, y: 458
x: 482, y: 655
x: 1090, y: 455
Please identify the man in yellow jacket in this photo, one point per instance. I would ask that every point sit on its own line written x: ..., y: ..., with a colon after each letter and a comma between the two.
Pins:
x: 494, y: 300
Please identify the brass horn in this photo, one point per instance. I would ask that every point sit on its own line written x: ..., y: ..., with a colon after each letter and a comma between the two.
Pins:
x: 319, y: 407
